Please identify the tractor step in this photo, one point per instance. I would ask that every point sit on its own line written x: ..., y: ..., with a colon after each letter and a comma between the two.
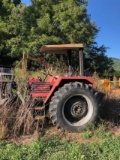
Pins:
x: 40, y: 108
x: 40, y: 118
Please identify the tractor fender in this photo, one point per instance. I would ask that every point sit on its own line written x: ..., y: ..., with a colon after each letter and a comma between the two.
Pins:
x: 61, y: 80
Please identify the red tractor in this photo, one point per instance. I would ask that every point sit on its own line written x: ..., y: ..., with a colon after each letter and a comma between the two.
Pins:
x: 70, y: 101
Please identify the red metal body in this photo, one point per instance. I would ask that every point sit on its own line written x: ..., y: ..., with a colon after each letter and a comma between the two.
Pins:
x: 39, y: 89
x: 45, y: 90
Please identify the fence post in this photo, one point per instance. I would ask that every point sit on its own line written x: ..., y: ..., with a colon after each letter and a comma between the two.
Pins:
x: 24, y: 62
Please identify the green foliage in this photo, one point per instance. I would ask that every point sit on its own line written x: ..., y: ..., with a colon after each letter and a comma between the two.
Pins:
x: 116, y: 65
x: 99, y: 131
x: 54, y: 149
x: 60, y: 22
x: 27, y: 28
x: 72, y: 23
x: 6, y: 7
x: 117, y: 72
x: 97, y: 61
x: 46, y: 22
x: 18, y: 31
x: 87, y: 134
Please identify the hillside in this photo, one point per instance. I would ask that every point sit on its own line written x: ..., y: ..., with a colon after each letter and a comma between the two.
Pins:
x: 116, y: 63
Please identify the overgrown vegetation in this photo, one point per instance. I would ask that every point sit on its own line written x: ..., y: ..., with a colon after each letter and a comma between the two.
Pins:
x: 27, y: 28
x: 97, y: 142
x: 17, y: 118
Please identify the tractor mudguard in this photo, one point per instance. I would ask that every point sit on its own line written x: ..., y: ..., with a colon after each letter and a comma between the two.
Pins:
x: 61, y: 80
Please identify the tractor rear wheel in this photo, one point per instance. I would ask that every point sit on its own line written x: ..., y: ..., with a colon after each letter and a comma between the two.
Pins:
x: 74, y: 107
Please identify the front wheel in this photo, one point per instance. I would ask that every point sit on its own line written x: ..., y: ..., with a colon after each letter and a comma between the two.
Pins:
x: 74, y: 107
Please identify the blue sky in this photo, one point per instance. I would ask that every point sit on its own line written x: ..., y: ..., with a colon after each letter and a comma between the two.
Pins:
x: 106, y: 15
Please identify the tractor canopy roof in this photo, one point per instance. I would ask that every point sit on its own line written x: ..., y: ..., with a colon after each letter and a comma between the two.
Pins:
x: 60, y: 48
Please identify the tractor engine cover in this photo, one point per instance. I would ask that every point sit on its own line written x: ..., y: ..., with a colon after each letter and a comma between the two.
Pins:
x: 37, y: 88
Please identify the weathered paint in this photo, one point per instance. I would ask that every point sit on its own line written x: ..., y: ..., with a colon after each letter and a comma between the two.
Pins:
x: 68, y: 79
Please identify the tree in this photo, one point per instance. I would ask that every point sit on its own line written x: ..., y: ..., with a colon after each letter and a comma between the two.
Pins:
x: 5, y: 10
x: 117, y: 72
x: 27, y: 28
x: 19, y: 30
x: 97, y: 61
x: 48, y: 22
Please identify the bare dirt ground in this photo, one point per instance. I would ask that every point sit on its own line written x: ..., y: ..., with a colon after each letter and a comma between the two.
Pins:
x: 64, y: 136
x: 51, y: 132
x: 115, y: 131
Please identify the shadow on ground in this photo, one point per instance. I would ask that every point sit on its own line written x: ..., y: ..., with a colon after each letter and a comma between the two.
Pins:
x: 110, y: 109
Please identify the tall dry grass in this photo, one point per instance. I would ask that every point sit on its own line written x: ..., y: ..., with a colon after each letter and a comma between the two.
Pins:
x: 110, y: 109
x: 17, y: 116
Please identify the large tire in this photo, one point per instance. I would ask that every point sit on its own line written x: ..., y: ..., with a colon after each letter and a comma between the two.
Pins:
x: 74, y: 107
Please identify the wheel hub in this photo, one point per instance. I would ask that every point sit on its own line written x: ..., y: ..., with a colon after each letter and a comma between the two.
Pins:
x: 78, y: 109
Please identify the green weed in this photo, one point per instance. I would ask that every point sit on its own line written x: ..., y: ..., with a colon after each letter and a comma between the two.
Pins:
x: 55, y: 149
x: 100, y: 131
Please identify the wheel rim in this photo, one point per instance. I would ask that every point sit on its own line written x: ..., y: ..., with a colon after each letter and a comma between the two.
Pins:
x: 77, y: 110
